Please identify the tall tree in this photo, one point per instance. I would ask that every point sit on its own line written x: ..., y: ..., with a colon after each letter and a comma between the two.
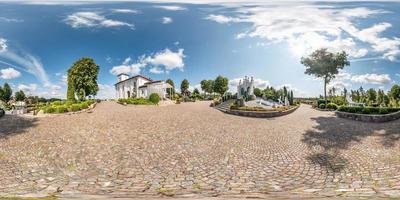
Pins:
x: 20, y: 96
x: 70, y: 89
x: 258, y: 92
x: 84, y: 77
x: 221, y: 85
x: 371, y: 96
x: 5, y: 93
x: 325, y: 65
x: 394, y: 95
x: 171, y: 82
x: 380, y: 97
x: 184, y: 86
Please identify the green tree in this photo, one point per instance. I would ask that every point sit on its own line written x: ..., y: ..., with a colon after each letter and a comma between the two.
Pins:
x: 371, y: 96
x: 207, y: 86
x: 70, y: 90
x: 170, y: 91
x: 5, y: 93
x: 184, y: 86
x: 380, y: 97
x: 291, y: 100
x: 83, y: 75
x: 196, y: 91
x: 325, y: 65
x: 221, y: 85
x: 394, y: 95
x: 258, y: 92
x: 20, y: 95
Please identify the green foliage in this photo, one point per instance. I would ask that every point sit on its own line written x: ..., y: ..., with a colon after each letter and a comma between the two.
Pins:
x: 221, y: 85
x: 49, y: 109
x: 171, y: 82
x: 61, y: 109
x: 332, y: 106
x: 70, y: 89
x: 258, y: 92
x: 154, y: 98
x: 20, y: 96
x: 184, y: 86
x: 75, y: 107
x: 83, y: 75
x: 368, y: 110
x: 84, y: 105
x: 135, y: 101
x: 207, y: 86
x: 325, y: 65
x: 57, y: 103
x: 394, y: 95
x: 5, y: 92
x: 321, y: 106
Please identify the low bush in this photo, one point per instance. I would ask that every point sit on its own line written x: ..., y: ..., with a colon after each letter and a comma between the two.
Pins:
x: 84, y: 105
x: 368, y: 110
x: 75, y: 107
x: 332, y: 106
x: 49, y: 109
x: 57, y: 103
x: 135, y: 101
x: 154, y: 98
x: 321, y: 106
x: 61, y: 109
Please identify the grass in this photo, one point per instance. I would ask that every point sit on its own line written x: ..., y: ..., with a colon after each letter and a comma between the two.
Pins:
x: 196, y: 186
x: 30, y: 198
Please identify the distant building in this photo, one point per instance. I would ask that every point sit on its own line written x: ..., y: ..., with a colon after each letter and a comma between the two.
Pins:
x: 140, y: 86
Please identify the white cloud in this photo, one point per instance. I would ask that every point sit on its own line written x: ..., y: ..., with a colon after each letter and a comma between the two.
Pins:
x: 167, y: 20
x: 156, y: 70
x: 338, y: 85
x: 28, y: 88
x: 329, y: 27
x: 223, y: 19
x: 398, y: 74
x: 9, y: 73
x: 5, y: 19
x: 378, y: 79
x: 172, y: 8
x: 28, y: 63
x: 93, y: 19
x: 167, y: 58
x: 128, y: 68
x: 106, y: 91
x: 125, y: 11
x: 3, y: 45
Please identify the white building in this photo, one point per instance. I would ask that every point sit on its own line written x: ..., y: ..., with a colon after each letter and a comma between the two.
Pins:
x: 140, y: 87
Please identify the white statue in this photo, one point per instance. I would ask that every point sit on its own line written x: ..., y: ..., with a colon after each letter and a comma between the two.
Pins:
x: 245, y: 87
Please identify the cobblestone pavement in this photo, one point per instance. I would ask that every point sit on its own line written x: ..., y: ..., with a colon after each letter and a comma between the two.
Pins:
x: 192, y: 150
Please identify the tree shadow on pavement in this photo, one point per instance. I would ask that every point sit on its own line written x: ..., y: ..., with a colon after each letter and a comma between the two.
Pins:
x: 330, y: 135
x: 13, y: 124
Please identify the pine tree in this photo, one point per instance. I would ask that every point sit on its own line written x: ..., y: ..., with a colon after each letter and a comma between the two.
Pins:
x: 70, y: 90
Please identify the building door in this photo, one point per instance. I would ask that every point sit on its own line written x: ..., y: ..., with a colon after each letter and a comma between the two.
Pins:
x: 129, y: 94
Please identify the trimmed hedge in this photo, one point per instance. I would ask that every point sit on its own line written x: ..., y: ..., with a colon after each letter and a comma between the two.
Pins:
x: 75, y: 107
x: 321, y: 106
x: 66, y: 106
x: 154, y: 98
x: 368, y: 110
x: 135, y: 101
x: 332, y: 106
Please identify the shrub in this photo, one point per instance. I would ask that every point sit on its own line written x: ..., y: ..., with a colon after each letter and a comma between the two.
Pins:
x: 367, y: 110
x: 49, y: 109
x: 75, y: 107
x: 321, y: 106
x: 57, y: 103
x: 61, y: 109
x: 154, y: 98
x: 84, y: 105
x: 332, y: 106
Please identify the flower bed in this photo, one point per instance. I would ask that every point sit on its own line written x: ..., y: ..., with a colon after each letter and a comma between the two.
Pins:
x: 261, y: 112
x: 64, y: 106
x: 368, y: 114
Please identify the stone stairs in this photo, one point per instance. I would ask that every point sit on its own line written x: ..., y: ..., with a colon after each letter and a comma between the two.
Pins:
x: 224, y: 106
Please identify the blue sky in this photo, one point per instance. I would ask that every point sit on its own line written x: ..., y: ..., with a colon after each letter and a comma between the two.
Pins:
x: 39, y: 41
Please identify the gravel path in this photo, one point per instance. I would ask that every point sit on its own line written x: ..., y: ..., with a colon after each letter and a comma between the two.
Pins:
x: 191, y: 150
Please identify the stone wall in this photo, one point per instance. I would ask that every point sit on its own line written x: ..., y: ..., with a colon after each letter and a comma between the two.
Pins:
x: 369, y: 118
x: 261, y: 114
